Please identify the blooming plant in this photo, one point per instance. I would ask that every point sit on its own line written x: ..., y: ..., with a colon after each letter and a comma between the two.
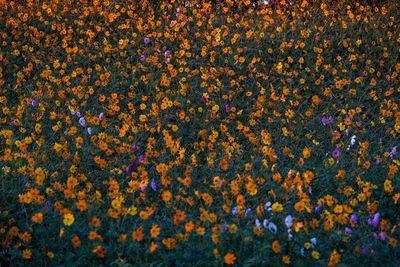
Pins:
x: 199, y: 132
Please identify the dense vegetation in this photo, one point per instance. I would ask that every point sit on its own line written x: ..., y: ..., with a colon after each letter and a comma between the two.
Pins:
x: 181, y: 133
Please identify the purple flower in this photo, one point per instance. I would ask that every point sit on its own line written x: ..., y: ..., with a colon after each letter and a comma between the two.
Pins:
x: 354, y: 218
x: 167, y: 53
x: 376, y: 236
x: 168, y: 60
x: 378, y: 161
x: 134, y: 147
x: 348, y: 230
x: 235, y: 210
x: 310, y: 190
x: 128, y: 169
x: 33, y: 102
x: 374, y: 222
x: 141, y: 158
x: 382, y: 235
x: 226, y: 107
x: 330, y: 119
x: 365, y: 248
x: 393, y: 152
x: 203, y: 98
x: 247, y: 212
x: 134, y: 165
x: 142, y: 58
x: 335, y: 153
x: 324, y: 121
x: 153, y: 185
x: 317, y: 208
x: 147, y: 40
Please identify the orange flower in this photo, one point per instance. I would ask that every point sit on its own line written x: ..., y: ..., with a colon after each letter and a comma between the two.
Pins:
x: 170, y: 243
x: 138, y: 234
x: 76, y: 242
x: 230, y: 258
x: 27, y: 254
x: 101, y: 252
x: 223, y: 164
x: 334, y: 259
x: 166, y: 196
x: 189, y: 226
x: 153, y: 247
x: 299, y: 206
x: 286, y: 259
x: 276, y: 247
x: 155, y: 231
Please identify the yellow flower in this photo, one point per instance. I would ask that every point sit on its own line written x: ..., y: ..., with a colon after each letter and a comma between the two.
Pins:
x: 277, y: 207
x: 315, y: 254
x: 68, y: 219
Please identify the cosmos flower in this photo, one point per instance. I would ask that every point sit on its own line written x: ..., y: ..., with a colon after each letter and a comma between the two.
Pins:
x: 82, y: 121
x: 354, y: 218
x: 272, y: 227
x: 375, y: 220
x: 258, y: 224
x: 288, y: 221
x: 335, y: 153
x: 235, y: 210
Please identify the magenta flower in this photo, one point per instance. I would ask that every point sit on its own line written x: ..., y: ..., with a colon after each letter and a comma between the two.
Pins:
x: 134, y: 165
x: 134, y: 147
x: 203, y: 98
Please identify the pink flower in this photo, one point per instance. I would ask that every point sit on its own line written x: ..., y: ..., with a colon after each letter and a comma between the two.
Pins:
x: 134, y: 147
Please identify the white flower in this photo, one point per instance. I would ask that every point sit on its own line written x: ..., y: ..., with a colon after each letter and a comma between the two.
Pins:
x: 272, y: 227
x: 353, y: 140
x: 82, y: 121
x: 267, y: 205
x: 101, y: 115
x: 265, y: 223
x: 89, y: 130
x: 288, y: 221
x: 258, y: 224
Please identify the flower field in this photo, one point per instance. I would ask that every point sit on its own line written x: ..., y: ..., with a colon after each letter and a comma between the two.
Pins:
x: 172, y: 133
